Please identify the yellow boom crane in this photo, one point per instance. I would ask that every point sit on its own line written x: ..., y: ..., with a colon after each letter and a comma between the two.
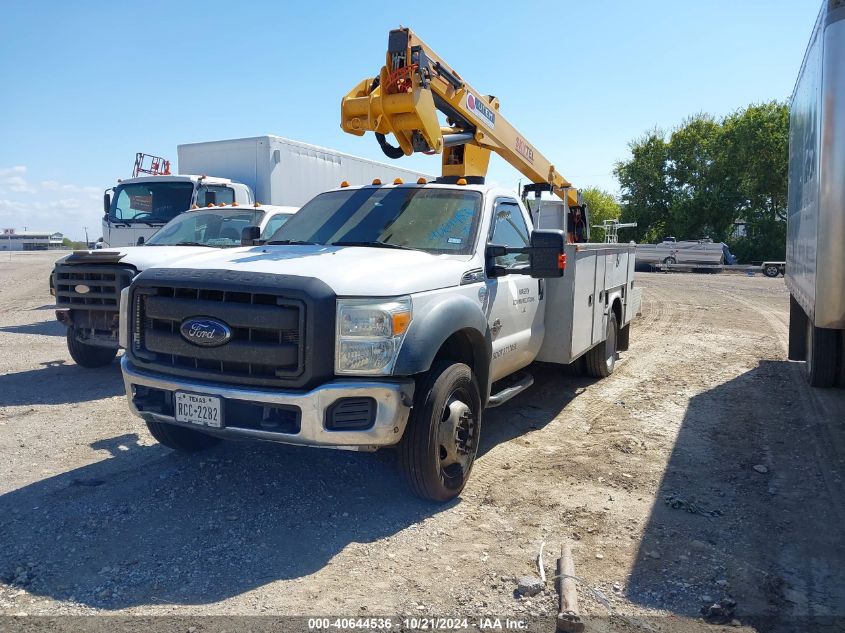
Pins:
x: 412, y: 86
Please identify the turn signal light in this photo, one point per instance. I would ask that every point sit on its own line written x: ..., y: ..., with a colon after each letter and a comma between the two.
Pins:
x: 461, y: 181
x: 376, y: 181
x: 401, y: 321
x: 344, y: 184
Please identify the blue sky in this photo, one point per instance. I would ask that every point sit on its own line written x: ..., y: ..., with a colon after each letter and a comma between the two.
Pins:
x: 87, y: 84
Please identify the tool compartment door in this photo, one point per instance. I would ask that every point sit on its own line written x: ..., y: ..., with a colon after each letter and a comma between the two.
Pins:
x: 584, y: 299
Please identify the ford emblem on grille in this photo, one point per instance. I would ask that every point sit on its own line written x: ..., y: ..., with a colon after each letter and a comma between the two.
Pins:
x: 82, y: 289
x: 205, y: 332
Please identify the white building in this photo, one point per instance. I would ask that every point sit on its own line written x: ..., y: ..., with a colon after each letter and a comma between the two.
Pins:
x: 12, y: 240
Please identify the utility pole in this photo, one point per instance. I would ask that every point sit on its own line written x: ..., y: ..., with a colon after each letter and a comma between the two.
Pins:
x: 87, y: 243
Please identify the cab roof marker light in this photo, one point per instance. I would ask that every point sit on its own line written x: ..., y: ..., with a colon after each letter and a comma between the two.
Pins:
x: 422, y: 181
x: 398, y: 181
x: 376, y: 181
x: 461, y: 181
x: 344, y: 184
x: 234, y: 204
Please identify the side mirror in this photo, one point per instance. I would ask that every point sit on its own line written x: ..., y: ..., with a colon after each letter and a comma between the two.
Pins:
x: 106, y: 203
x: 140, y: 241
x: 250, y: 235
x: 547, y: 254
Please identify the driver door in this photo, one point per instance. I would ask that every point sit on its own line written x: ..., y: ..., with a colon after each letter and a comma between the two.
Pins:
x: 515, y: 317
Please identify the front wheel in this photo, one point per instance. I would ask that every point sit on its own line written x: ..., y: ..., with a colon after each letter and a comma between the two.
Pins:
x: 771, y: 271
x: 602, y: 358
x: 438, y: 449
x: 86, y: 355
x: 670, y: 261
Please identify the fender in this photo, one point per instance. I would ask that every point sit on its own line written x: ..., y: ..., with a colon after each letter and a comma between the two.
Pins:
x: 430, y: 329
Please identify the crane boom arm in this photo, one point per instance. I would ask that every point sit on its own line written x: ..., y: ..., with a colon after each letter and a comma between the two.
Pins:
x: 412, y: 86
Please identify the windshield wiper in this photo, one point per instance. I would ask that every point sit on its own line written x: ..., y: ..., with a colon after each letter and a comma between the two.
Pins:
x: 185, y: 244
x: 294, y: 242
x: 375, y: 244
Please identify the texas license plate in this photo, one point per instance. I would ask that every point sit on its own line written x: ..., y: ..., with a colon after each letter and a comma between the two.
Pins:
x: 198, y: 409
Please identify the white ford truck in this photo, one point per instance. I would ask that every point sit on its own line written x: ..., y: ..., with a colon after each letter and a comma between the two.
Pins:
x: 377, y: 316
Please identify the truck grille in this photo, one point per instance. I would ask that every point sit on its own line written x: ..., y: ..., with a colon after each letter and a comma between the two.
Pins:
x: 90, y: 287
x: 265, y: 327
x: 282, y: 327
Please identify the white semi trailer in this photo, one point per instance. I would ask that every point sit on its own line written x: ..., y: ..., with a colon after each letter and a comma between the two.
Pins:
x: 815, y: 258
x: 267, y: 169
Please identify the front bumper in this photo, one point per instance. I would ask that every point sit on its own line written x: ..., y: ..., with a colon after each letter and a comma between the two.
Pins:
x: 393, y: 401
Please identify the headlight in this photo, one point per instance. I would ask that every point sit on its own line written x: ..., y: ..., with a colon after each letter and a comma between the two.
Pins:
x: 369, y: 334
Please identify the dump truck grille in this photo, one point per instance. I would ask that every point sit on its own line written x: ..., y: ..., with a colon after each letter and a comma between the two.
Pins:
x: 90, y: 287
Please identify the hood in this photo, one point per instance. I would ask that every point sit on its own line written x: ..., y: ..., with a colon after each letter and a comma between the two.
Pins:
x: 348, y: 270
x: 143, y: 257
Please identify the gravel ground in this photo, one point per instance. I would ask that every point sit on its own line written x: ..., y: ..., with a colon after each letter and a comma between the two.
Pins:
x: 703, y: 469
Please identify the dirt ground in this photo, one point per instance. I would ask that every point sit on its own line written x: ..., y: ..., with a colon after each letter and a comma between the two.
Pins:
x: 704, y: 468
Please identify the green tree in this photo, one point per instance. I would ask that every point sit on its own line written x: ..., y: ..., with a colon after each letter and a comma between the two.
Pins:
x: 709, y: 174
x: 644, y: 180
x: 757, y: 143
x: 602, y: 206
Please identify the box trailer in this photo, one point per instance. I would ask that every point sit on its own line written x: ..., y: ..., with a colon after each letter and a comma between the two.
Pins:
x: 815, y: 257
x: 284, y: 172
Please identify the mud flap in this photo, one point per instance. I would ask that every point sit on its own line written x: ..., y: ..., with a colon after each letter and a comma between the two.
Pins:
x: 797, y: 331
x: 624, y: 339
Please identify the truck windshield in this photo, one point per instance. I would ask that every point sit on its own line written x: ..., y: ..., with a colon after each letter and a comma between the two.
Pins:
x: 427, y: 219
x: 150, y: 203
x: 220, y: 229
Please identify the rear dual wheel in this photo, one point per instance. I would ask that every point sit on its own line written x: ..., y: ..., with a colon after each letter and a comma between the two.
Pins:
x: 601, y: 359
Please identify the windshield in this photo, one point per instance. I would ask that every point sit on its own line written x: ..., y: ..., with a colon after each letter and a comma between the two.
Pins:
x: 150, y: 203
x: 221, y: 229
x: 427, y: 219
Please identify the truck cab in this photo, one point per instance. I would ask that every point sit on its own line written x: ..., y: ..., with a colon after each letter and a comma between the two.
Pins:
x: 383, y: 315
x: 137, y: 207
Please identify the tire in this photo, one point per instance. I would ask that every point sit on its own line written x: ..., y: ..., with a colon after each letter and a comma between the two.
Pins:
x: 438, y: 448
x: 181, y: 439
x: 771, y: 271
x: 670, y: 260
x: 822, y: 355
x: 601, y: 359
x: 89, y: 356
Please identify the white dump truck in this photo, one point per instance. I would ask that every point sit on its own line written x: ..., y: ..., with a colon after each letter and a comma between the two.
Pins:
x: 87, y: 284
x: 815, y: 257
x: 269, y: 169
x: 388, y: 314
